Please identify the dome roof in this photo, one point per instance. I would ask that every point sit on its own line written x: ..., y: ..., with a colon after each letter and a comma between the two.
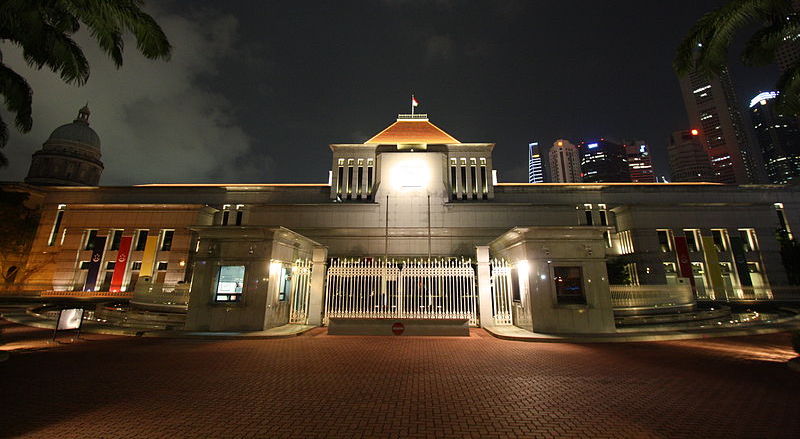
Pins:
x: 78, y: 131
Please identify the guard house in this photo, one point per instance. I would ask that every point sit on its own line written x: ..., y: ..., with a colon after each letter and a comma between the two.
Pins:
x: 413, y: 225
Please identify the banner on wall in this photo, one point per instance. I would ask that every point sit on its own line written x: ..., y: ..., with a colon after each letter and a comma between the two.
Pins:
x: 121, y: 263
x: 684, y: 261
x: 94, y: 263
x: 149, y: 256
x: 740, y: 259
x: 712, y: 265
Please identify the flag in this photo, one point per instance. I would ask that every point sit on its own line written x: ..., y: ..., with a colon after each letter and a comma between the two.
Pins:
x: 414, y: 102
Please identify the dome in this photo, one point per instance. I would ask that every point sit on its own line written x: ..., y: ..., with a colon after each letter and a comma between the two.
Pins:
x: 78, y: 131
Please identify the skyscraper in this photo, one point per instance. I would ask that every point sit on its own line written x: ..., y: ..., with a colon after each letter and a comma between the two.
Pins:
x: 788, y: 53
x: 604, y: 161
x: 565, y: 163
x: 712, y: 108
x: 640, y: 165
x: 778, y: 135
x: 688, y: 158
x: 535, y: 165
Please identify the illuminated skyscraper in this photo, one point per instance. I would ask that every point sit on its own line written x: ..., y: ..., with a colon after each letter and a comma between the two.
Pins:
x: 565, y: 162
x: 604, y: 161
x: 535, y: 164
x: 778, y: 135
x: 640, y: 165
x: 712, y: 108
x: 688, y: 158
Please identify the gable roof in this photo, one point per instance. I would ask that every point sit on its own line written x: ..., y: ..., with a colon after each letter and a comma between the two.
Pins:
x: 416, y: 131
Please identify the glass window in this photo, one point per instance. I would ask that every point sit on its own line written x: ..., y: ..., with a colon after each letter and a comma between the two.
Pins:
x: 719, y: 239
x: 285, y: 285
x: 162, y: 266
x: 116, y: 236
x: 230, y: 283
x: 141, y: 240
x: 137, y: 265
x: 90, y: 236
x: 749, y: 238
x: 603, y: 218
x: 226, y: 215
x: 589, y: 220
x: 84, y: 265
x: 516, y: 294
x: 239, y: 217
x: 692, y: 239
x: 166, y: 240
x: 56, y: 225
x: 664, y: 241
x: 569, y: 285
x: 110, y: 265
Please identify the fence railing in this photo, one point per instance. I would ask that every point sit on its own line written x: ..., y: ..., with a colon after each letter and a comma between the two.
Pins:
x: 651, y: 296
x: 422, y: 289
x: 502, y: 299
x: 301, y: 292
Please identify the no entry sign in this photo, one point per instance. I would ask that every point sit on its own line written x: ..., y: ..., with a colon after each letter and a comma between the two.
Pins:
x: 398, y: 328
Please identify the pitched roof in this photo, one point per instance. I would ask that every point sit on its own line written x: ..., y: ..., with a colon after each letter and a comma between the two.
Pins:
x: 412, y: 131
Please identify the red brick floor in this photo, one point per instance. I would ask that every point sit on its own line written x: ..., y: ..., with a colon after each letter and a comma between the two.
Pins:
x: 323, y: 386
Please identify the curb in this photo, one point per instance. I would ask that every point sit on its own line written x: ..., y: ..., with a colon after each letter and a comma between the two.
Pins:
x: 642, y: 337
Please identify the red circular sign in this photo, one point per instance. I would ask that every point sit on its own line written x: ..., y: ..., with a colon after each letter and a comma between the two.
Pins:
x: 398, y: 328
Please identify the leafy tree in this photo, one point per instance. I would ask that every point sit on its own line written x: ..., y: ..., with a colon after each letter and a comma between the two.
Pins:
x: 790, y: 256
x: 17, y: 228
x: 618, y: 272
x: 706, y: 47
x: 44, y: 29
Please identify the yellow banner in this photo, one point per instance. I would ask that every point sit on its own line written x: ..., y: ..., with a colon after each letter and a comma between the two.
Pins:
x: 712, y: 266
x: 149, y: 256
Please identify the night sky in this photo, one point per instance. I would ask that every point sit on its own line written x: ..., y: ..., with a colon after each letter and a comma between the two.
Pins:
x: 257, y: 90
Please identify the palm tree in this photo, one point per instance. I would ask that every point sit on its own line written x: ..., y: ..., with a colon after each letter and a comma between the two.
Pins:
x: 44, y: 30
x: 705, y: 49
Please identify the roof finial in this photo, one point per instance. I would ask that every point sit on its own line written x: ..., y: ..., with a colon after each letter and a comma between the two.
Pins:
x: 83, y: 114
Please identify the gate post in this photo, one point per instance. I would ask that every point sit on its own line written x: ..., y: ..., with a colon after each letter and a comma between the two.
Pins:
x: 316, y: 295
x: 484, y: 286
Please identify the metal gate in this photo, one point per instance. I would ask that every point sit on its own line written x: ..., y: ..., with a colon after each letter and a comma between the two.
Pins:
x: 301, y: 291
x: 423, y: 289
x: 502, y: 299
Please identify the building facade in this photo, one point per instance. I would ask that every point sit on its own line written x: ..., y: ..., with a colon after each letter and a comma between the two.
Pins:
x: 565, y: 162
x: 688, y: 158
x: 640, y: 164
x: 713, y: 109
x: 411, y: 225
x: 778, y: 136
x: 535, y: 163
x: 604, y: 161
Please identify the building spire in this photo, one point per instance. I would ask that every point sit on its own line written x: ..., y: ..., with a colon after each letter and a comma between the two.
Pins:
x: 83, y: 114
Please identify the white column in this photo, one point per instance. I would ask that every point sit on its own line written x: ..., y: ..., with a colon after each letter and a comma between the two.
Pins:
x: 317, y: 294
x: 484, y: 286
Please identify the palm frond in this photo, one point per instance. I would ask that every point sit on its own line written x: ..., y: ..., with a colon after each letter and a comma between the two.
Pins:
x: 3, y: 138
x: 106, y: 19
x: 706, y: 46
x: 18, y: 97
x: 788, y: 100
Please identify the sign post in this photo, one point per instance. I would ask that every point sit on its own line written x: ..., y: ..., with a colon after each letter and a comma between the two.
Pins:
x: 69, y: 319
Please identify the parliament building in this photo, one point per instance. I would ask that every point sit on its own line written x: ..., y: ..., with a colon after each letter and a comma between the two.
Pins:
x: 412, y: 224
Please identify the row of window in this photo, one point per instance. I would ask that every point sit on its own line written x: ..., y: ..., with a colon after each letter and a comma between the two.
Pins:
x: 230, y: 284
x: 135, y: 265
x: 666, y: 239
x: 140, y: 239
x: 355, y: 178
x: 467, y: 179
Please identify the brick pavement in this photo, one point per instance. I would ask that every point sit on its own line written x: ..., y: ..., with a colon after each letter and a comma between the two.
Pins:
x: 320, y: 386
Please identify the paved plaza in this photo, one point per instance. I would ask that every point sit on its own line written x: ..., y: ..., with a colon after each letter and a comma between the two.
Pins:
x: 320, y: 386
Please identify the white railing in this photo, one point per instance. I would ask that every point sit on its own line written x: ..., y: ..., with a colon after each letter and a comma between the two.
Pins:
x: 301, y: 292
x: 502, y: 299
x: 420, y: 289
x: 651, y: 296
x: 743, y: 293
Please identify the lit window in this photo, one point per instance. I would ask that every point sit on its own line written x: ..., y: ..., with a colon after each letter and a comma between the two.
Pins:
x: 166, y: 240
x: 230, y: 283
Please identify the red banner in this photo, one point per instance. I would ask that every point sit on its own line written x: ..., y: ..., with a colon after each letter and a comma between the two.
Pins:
x: 684, y: 261
x: 121, y: 263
